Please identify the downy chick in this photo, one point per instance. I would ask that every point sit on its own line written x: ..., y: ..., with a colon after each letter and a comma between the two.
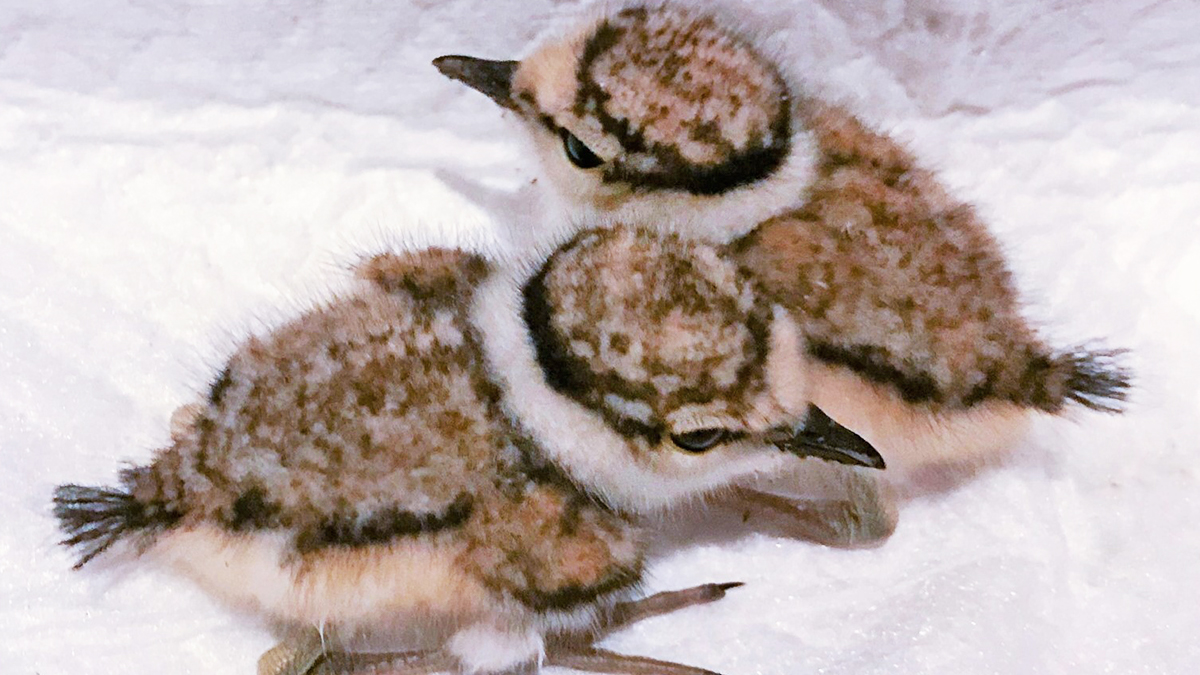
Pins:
x: 662, y: 116
x: 406, y: 457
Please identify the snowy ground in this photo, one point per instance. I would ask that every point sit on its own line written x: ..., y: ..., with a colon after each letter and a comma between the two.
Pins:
x: 176, y: 173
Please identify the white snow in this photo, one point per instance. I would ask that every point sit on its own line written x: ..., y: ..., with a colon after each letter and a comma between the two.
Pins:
x: 176, y: 173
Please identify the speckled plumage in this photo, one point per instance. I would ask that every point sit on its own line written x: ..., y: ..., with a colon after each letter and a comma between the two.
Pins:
x: 900, y: 282
x: 301, y: 428
x: 905, y: 298
x: 370, y: 420
x: 366, y: 464
x: 369, y: 425
x: 675, y: 102
x: 704, y: 350
x: 693, y: 128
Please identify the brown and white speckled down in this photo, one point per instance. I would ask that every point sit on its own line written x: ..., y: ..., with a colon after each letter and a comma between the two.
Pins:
x: 675, y: 324
x: 698, y: 133
x: 365, y: 463
x: 686, y: 101
x: 903, y: 284
x: 368, y: 424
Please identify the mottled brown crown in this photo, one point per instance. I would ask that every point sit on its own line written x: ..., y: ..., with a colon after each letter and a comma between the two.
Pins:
x: 635, y: 326
x: 690, y: 105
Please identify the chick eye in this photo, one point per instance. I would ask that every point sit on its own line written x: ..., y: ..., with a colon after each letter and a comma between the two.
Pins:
x: 579, y: 154
x: 700, y: 439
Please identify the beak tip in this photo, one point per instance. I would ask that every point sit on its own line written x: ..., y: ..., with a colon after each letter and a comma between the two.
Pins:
x: 824, y: 438
x: 446, y: 65
x: 490, y: 78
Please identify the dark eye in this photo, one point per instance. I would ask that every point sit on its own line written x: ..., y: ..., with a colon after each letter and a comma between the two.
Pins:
x: 579, y: 154
x: 700, y: 439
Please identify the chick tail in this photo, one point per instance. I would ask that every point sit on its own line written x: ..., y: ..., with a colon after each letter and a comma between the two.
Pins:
x: 93, y: 519
x: 1095, y: 378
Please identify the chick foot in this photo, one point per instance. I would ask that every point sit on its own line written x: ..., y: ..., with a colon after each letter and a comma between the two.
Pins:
x: 580, y: 653
x: 305, y: 654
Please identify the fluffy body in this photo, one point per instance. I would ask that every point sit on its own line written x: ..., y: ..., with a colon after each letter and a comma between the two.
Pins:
x: 354, y: 467
x: 369, y: 464
x: 896, y: 280
x: 903, y: 294
x: 908, y: 305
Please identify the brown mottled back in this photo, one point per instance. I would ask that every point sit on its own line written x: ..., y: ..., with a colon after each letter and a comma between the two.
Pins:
x: 370, y: 425
x: 369, y: 408
x: 893, y: 278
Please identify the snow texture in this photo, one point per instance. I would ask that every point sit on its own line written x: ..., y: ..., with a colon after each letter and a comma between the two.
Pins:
x: 178, y: 173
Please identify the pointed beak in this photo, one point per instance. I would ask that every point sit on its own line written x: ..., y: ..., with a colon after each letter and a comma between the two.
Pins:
x: 822, y: 437
x: 490, y: 78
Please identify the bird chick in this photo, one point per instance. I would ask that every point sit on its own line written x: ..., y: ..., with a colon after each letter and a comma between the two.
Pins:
x: 654, y: 115
x: 661, y: 116
x: 382, y: 461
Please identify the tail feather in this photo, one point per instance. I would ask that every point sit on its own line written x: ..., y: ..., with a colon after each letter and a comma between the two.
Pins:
x: 93, y: 519
x: 1096, y: 379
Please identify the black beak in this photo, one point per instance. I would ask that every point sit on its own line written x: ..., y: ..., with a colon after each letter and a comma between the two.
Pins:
x: 822, y: 437
x: 490, y: 78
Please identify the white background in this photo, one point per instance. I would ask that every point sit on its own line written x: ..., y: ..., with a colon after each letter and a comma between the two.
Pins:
x: 177, y: 173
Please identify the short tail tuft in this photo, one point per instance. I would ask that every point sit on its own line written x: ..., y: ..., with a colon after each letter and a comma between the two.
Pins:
x: 93, y: 519
x: 1097, y: 379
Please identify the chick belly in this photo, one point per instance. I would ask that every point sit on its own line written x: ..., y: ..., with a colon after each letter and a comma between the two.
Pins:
x: 915, y: 439
x: 407, y: 587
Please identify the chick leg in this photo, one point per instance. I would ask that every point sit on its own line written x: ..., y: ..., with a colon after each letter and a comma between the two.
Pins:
x: 594, y: 660
x: 627, y: 613
x: 393, y: 663
x: 583, y: 656
x: 305, y: 654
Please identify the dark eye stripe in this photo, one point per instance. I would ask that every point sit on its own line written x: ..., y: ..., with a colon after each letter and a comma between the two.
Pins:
x: 579, y: 154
